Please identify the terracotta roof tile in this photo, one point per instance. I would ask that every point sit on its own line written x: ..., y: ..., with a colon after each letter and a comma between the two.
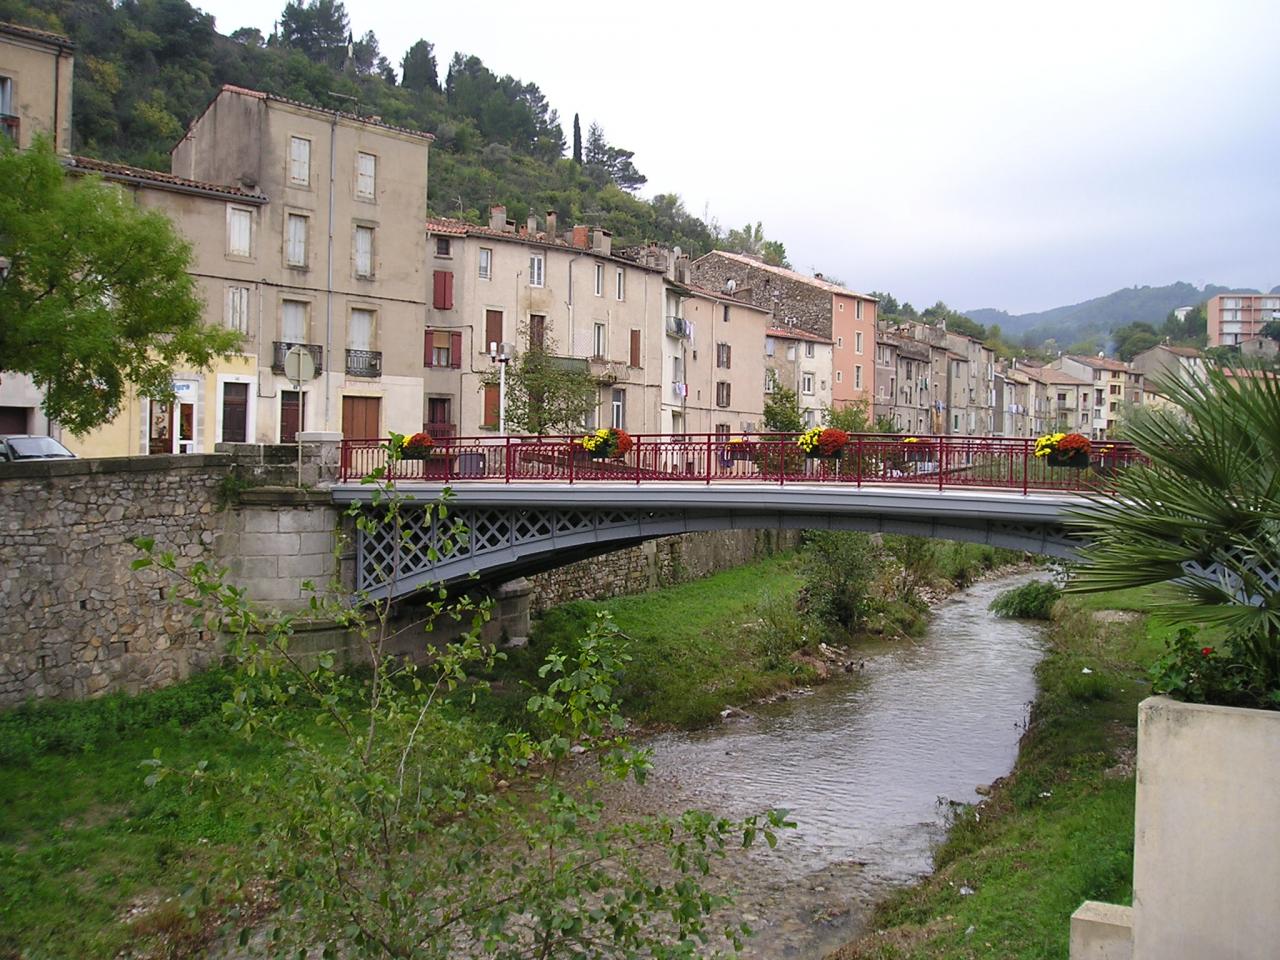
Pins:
x: 31, y: 33
x: 461, y: 228
x: 787, y: 333
x: 121, y: 171
x: 1101, y: 363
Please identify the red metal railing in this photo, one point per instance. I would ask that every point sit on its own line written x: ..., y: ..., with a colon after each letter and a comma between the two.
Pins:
x: 940, y: 462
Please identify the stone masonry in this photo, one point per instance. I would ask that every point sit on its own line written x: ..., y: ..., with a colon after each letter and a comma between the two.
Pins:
x: 793, y: 302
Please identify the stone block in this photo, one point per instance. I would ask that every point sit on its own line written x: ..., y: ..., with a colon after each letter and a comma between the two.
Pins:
x: 244, y: 569
x: 260, y: 521
x: 279, y: 589
x: 269, y: 544
x: 313, y: 566
x: 313, y: 543
x: 1102, y: 931
x: 307, y: 521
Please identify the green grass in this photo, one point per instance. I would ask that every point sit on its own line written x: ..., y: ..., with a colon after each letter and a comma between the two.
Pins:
x: 1059, y: 830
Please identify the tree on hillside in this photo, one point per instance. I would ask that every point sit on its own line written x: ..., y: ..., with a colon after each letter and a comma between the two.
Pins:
x: 608, y: 164
x: 97, y: 295
x: 319, y: 29
x: 1133, y: 338
x: 751, y: 240
x: 366, y: 60
x: 418, y: 70
x: 577, y: 140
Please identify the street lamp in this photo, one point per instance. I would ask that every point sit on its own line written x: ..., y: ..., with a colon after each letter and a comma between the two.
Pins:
x: 500, y: 353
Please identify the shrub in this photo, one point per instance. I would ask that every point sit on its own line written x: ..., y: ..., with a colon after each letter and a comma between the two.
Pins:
x: 779, y: 630
x: 1031, y: 601
x: 837, y: 569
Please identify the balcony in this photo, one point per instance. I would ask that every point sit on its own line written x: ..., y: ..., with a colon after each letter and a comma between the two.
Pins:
x: 603, y: 371
x: 364, y: 363
x: 282, y: 347
x: 9, y: 125
x: 440, y: 431
x: 678, y: 327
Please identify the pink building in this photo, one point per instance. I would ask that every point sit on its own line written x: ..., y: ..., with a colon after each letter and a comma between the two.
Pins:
x: 1236, y: 317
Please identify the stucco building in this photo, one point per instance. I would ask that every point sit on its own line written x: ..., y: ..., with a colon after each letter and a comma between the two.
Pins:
x: 1112, y: 383
x: 1236, y: 317
x: 801, y: 361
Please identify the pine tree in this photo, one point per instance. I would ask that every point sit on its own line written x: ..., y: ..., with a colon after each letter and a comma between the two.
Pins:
x: 419, y: 68
x: 577, y: 140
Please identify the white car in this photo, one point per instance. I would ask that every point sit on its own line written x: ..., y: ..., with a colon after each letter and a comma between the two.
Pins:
x: 17, y: 446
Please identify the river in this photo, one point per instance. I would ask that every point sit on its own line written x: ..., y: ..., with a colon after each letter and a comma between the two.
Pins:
x: 865, y: 766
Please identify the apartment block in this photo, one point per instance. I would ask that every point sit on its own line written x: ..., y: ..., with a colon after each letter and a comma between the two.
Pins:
x: 1113, y: 384
x: 800, y: 361
x: 1237, y: 317
x: 904, y: 383
x: 1165, y: 362
x: 807, y: 305
x: 1059, y: 402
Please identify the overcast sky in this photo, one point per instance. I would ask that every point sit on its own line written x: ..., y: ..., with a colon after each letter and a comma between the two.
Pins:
x: 1019, y: 155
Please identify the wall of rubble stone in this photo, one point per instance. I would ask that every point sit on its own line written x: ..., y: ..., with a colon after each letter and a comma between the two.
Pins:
x: 657, y: 563
x: 793, y: 303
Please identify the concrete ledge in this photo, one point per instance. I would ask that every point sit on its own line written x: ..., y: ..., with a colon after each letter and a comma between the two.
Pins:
x: 1102, y: 931
x: 88, y: 466
x: 284, y: 497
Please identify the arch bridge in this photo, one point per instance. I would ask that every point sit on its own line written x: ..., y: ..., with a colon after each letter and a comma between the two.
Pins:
x: 532, y: 504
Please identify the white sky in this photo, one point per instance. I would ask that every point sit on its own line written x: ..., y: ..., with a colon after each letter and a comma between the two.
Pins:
x: 1018, y: 154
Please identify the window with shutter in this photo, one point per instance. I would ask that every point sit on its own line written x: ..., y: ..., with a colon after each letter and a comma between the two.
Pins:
x: 443, y: 348
x: 366, y: 176
x: 442, y: 290
x: 635, y: 348
x: 299, y: 161
x: 364, y: 251
x: 536, y: 270
x: 296, y: 239
x: 238, y: 309
x: 293, y: 323
x: 492, y: 329
x: 360, y: 330
x: 239, y: 232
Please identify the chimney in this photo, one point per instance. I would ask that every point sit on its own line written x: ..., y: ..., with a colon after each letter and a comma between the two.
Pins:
x: 551, y: 224
x: 497, y: 217
x: 532, y: 225
x: 601, y: 241
x: 508, y: 226
x: 580, y: 237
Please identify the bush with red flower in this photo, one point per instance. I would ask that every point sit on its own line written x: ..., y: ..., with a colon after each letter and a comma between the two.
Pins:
x: 607, y: 443
x: 823, y: 441
x: 417, y: 447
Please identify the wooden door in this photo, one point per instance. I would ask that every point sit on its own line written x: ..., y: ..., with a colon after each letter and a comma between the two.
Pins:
x: 360, y: 418
x: 293, y: 407
x: 492, y: 329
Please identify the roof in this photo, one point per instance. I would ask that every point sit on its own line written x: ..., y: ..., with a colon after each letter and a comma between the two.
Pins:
x: 1101, y: 363
x: 354, y: 117
x: 40, y: 36
x: 461, y: 228
x: 164, y: 181
x: 1181, y: 351
x: 694, y: 290
x: 1050, y: 375
x: 789, y: 274
x: 790, y: 333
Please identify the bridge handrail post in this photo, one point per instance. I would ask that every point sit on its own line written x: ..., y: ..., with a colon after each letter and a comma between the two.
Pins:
x: 637, y: 451
x: 708, y: 459
x: 506, y: 460
x: 1026, y: 446
x: 858, y: 463
x: 942, y: 459
x: 572, y: 458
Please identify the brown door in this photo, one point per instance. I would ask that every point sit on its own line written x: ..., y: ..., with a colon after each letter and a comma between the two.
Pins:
x: 293, y: 407
x: 360, y: 416
x: 492, y: 328
x: 235, y: 412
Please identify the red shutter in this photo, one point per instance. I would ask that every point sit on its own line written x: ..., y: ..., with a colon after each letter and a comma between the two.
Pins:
x: 442, y: 290
x: 491, y: 399
x: 635, y: 348
x: 428, y: 353
x: 455, y: 349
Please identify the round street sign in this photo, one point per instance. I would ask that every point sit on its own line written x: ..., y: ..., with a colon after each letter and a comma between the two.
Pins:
x: 299, y: 366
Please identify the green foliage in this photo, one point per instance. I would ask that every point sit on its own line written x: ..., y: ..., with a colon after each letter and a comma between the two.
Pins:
x: 1133, y: 339
x: 1031, y: 601
x: 606, y: 164
x: 98, y: 296
x: 418, y: 69
x: 546, y: 393
x: 84, y: 726
x: 852, y: 417
x: 782, y: 411
x: 318, y: 29
x: 1202, y: 516
x: 1271, y: 329
x: 1197, y: 672
x: 751, y: 240
x: 837, y: 569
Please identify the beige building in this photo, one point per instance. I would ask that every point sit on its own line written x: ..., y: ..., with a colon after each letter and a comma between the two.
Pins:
x: 35, y: 86
x: 497, y: 284
x: 1164, y: 361
x: 904, y: 382
x: 1059, y: 402
x: 797, y: 360
x: 1113, y: 384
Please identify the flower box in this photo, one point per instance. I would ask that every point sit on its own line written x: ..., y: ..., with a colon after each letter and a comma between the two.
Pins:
x: 1075, y: 459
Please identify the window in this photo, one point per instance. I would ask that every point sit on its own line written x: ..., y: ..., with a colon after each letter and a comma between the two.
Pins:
x: 622, y: 284
x: 537, y: 331
x: 677, y: 370
x: 806, y: 383
x: 857, y: 342
x: 235, y: 412
x: 597, y: 342
x: 857, y: 377
x: 238, y: 309
x: 296, y: 241
x: 293, y: 322
x: 722, y: 393
x: 492, y: 330
x: 536, y: 278
x: 724, y: 355
x: 300, y: 161
x: 6, y: 96
x: 791, y: 351
x: 442, y: 289
x: 619, y: 409
x: 634, y: 359
x: 444, y: 247
x: 599, y: 279
x: 857, y: 310
x: 360, y: 330
x: 723, y: 430
x: 839, y: 376
x: 809, y: 350
x: 486, y: 263
x: 770, y: 345
x: 239, y: 232
x: 770, y: 381
x: 366, y: 176
x: 726, y: 313
x: 839, y: 343
x: 442, y: 348
x: 364, y: 251
x: 439, y: 417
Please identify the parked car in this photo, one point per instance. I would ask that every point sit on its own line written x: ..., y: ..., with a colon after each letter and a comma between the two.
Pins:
x: 16, y: 446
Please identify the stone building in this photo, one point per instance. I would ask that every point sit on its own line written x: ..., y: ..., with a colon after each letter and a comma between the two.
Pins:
x: 496, y: 284
x: 1113, y: 384
x: 800, y: 361
x: 809, y: 305
x: 903, y: 382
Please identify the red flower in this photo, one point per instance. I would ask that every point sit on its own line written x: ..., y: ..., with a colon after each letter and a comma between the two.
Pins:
x: 1205, y: 651
x: 831, y: 441
x: 621, y: 443
x: 420, y: 441
x: 1074, y: 443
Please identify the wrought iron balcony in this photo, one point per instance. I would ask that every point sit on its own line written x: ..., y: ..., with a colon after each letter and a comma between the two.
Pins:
x: 364, y: 363
x: 282, y: 347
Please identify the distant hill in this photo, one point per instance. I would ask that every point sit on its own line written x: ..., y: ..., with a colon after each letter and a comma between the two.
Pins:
x: 1098, y: 316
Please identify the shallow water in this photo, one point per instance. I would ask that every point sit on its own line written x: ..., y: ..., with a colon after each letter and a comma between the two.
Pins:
x: 865, y: 766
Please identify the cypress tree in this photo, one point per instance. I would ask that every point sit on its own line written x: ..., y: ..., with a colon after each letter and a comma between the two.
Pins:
x: 577, y: 140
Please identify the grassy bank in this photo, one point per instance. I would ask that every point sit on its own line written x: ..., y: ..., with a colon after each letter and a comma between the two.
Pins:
x: 1059, y: 829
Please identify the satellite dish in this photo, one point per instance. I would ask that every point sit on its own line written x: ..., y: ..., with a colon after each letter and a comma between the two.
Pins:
x: 676, y: 251
x: 299, y: 365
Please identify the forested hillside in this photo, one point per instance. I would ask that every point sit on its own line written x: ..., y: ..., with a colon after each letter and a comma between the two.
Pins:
x: 145, y: 68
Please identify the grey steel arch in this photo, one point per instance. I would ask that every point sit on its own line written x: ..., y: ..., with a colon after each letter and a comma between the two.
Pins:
x: 520, y: 529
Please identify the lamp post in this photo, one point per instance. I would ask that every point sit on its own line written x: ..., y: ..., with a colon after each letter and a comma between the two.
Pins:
x: 500, y: 354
